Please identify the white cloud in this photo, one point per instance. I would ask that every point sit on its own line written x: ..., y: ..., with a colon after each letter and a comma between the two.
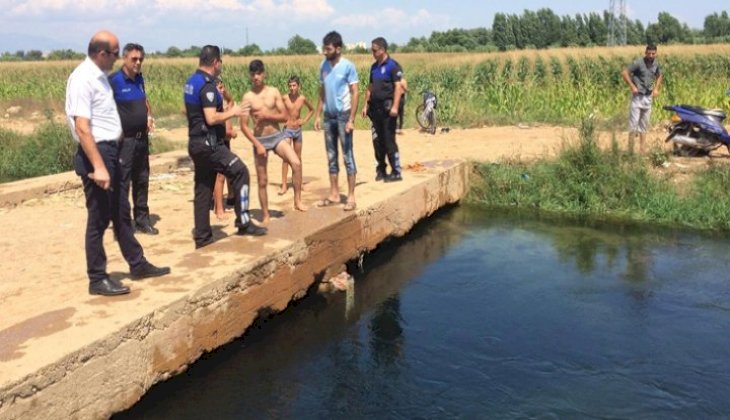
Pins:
x: 201, y: 6
x: 45, y: 7
x: 390, y: 17
x: 296, y: 9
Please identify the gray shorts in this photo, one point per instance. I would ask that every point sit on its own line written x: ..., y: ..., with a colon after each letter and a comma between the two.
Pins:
x: 640, y: 113
x: 293, y: 133
x: 271, y: 141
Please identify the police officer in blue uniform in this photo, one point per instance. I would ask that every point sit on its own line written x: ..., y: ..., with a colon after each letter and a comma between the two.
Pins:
x: 382, y: 100
x: 94, y: 122
x: 136, y: 117
x: 207, y: 132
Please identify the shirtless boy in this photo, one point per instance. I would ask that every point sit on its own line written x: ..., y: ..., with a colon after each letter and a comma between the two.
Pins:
x: 294, y: 102
x: 264, y: 106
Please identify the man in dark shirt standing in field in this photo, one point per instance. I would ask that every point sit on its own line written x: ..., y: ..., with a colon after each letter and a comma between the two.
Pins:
x: 644, y: 77
x: 382, y: 99
x: 136, y: 116
x: 206, y: 133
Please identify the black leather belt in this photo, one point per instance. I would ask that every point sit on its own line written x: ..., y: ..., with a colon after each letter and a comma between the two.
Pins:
x: 136, y: 135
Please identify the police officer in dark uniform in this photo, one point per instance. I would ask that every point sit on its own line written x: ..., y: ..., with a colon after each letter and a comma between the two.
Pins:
x: 207, y: 132
x: 136, y: 117
x: 93, y: 119
x: 382, y: 100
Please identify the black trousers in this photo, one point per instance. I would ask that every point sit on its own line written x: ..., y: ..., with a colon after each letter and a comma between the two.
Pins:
x: 401, y: 111
x: 383, y: 131
x: 134, y: 158
x: 208, y: 160
x: 103, y: 207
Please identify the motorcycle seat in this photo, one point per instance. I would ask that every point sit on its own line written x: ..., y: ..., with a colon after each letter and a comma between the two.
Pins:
x: 717, y: 113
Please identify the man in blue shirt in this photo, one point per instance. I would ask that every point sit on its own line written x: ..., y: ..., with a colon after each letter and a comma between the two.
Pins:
x: 338, y: 96
x: 382, y: 100
x: 94, y: 122
x: 136, y: 117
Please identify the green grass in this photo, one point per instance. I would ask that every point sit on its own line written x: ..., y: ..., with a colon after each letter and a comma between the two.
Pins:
x: 585, y: 180
x: 473, y: 89
x: 48, y: 150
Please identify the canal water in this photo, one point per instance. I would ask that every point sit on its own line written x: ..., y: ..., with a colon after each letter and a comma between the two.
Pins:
x: 481, y: 314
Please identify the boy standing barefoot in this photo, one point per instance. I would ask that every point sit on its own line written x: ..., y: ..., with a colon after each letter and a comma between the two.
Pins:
x: 294, y: 102
x: 263, y: 105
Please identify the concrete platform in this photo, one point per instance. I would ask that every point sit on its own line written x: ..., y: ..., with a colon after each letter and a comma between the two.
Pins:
x: 66, y: 354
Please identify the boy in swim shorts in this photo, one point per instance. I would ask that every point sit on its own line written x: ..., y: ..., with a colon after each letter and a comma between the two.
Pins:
x: 264, y: 106
x: 294, y: 102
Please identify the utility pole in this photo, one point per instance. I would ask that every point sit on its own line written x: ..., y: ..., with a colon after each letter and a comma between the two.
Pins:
x: 617, y: 23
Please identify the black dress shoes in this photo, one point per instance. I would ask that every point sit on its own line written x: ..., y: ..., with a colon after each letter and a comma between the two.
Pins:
x: 107, y: 287
x: 206, y: 242
x: 379, y: 176
x: 147, y: 270
x: 251, y: 229
x: 148, y: 229
x: 393, y: 177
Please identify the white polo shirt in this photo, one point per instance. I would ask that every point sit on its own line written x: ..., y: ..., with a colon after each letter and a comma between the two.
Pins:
x: 89, y: 95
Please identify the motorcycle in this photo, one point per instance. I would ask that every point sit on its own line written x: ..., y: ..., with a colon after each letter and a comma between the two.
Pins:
x: 426, y: 112
x: 696, y: 131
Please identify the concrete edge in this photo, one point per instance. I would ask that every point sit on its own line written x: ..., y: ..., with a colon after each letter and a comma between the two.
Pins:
x: 17, y: 192
x: 164, y: 342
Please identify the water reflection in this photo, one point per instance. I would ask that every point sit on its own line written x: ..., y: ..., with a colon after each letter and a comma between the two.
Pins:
x: 483, y: 314
x: 244, y: 377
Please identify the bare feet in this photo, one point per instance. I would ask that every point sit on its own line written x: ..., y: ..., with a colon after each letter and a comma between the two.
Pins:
x: 300, y: 206
x: 284, y: 189
x: 265, y: 220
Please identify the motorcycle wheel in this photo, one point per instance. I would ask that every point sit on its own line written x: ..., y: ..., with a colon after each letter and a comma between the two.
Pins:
x: 421, y: 117
x: 685, y: 151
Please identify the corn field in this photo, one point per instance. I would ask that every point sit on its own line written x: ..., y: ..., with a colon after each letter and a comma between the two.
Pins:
x: 550, y: 86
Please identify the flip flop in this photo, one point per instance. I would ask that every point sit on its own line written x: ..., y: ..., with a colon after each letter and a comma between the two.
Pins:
x: 350, y: 206
x: 325, y: 203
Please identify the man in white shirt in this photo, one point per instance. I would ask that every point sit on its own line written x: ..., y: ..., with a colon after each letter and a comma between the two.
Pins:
x: 92, y: 116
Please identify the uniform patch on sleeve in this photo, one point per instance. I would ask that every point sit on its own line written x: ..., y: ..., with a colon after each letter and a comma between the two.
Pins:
x: 210, y: 96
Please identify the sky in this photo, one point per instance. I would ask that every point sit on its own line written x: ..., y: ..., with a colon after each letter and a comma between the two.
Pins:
x: 158, y: 24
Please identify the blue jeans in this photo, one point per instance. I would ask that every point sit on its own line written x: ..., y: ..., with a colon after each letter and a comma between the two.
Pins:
x: 334, y: 128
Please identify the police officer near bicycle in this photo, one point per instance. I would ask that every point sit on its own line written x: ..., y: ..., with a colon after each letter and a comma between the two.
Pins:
x: 206, y: 133
x: 136, y: 116
x: 382, y: 99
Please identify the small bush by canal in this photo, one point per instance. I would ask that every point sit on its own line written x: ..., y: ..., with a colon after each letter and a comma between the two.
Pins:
x: 49, y: 149
x: 607, y: 183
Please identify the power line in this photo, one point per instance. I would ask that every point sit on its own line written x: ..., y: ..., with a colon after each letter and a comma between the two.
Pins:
x: 617, y: 23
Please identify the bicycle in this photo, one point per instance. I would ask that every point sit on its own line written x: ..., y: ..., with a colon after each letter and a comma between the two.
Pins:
x: 426, y: 112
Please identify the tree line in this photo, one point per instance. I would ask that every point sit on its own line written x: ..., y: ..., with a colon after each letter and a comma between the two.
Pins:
x: 544, y: 29
x: 530, y: 30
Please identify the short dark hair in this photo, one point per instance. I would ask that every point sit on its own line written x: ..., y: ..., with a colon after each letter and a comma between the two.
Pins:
x: 381, y: 42
x: 333, y: 38
x: 96, y: 46
x: 650, y: 47
x: 132, y: 47
x: 208, y: 55
x: 295, y: 79
x: 256, y: 66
